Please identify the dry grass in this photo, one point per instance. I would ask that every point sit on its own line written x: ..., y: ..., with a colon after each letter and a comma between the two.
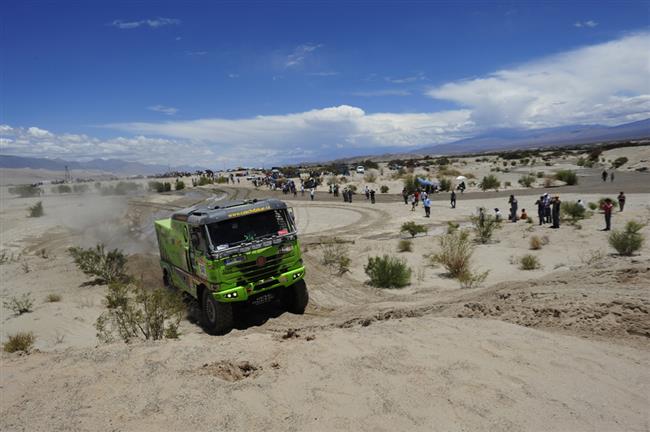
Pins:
x: 19, y: 342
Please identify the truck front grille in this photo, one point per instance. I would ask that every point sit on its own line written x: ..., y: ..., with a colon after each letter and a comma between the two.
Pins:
x: 252, y: 273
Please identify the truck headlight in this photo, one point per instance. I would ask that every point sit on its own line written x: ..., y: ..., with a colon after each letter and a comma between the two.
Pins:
x: 286, y: 248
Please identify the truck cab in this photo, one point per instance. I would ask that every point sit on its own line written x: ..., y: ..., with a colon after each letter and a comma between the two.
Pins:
x: 233, y: 252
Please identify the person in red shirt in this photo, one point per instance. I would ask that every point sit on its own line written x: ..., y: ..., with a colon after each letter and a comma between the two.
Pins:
x: 607, y: 208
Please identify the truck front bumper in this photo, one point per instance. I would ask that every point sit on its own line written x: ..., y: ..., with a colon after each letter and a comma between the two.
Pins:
x: 243, y: 292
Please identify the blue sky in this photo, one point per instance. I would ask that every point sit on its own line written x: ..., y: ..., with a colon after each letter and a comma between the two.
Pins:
x: 244, y: 82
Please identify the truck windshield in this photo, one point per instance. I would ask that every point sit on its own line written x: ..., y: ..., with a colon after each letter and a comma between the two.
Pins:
x: 257, y: 226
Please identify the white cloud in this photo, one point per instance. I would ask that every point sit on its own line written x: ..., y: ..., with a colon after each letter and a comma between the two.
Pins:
x: 151, y: 23
x: 607, y: 83
x: 589, y: 23
x: 38, y: 133
x: 163, y: 109
x: 299, y: 54
x: 384, y: 92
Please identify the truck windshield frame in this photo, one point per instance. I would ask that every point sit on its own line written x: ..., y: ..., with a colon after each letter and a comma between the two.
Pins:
x: 233, y: 233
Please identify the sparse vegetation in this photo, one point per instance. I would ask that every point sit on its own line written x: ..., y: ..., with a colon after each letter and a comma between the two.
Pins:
x: 53, y: 298
x: 370, y: 177
x: 135, y: 312
x: 19, y: 342
x: 490, y: 182
x: 529, y: 262
x: 62, y: 188
x: 567, y: 176
x: 535, y: 243
x: 445, y: 184
x: 472, y: 280
x: 121, y: 188
x: 593, y: 206
x: 204, y: 180
x: 629, y: 240
x: 619, y: 162
x: 36, y: 210
x: 485, y: 227
x: 335, y: 256
x: 156, y: 186
x: 573, y: 212
x: 20, y: 305
x: 388, y: 272
x: 527, y: 180
x: 455, y: 253
x: 107, y: 267
x: 383, y: 189
x: 405, y: 246
x: 413, y: 229
x: 179, y: 185
x: 25, y: 191
x: 80, y: 188
x: 410, y: 183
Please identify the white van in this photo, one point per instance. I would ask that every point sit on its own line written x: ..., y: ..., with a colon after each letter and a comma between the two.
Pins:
x: 360, y: 169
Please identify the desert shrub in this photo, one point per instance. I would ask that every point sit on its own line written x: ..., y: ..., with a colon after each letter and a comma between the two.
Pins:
x: 619, y: 162
x: 80, y: 188
x: 490, y: 182
x: 36, y: 210
x: 388, y: 272
x: 370, y: 177
x: 445, y: 184
x: 413, y: 229
x: 221, y: 179
x: 180, y: 185
x: 204, y: 180
x: 507, y: 184
x: 629, y: 240
x: 22, y: 341
x: 135, y: 312
x: 529, y: 262
x: 107, y: 267
x: 602, y: 200
x: 567, y: 176
x: 472, y: 280
x: 456, y: 250
x: 4, y: 257
x: 53, y: 298
x: 62, y: 188
x: 573, y: 212
x: 121, y: 188
x: 527, y: 180
x: 335, y: 256
x: 452, y: 226
x: 353, y: 188
x: 446, y: 171
x: 20, y: 305
x: 410, y: 183
x: 383, y: 189
x: 405, y: 246
x: 25, y: 191
x: 535, y: 243
x: 540, y: 174
x: 592, y: 206
x: 485, y: 228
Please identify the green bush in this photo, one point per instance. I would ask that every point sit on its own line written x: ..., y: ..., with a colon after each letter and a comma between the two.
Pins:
x: 19, y: 342
x: 567, y: 176
x: 573, y: 212
x: 602, y: 200
x: 529, y: 262
x: 455, y: 253
x: 629, y: 240
x: 107, y: 267
x: 335, y: 255
x: 80, y: 188
x: 36, y: 210
x: 135, y: 312
x: 20, y: 305
x: 53, y: 298
x: 445, y: 184
x: 413, y: 229
x: 62, y: 188
x: 485, y: 228
x: 490, y: 182
x: 121, y: 188
x: 383, y: 189
x: 619, y: 162
x: 527, y: 180
x: 180, y: 185
x: 410, y: 183
x: 388, y: 272
x: 592, y: 206
x: 204, y: 180
x: 405, y: 246
x: 25, y: 191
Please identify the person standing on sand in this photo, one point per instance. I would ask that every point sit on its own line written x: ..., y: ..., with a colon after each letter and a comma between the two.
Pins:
x: 405, y: 195
x: 604, y: 175
x: 611, y: 177
x: 497, y: 215
x: 607, y: 207
x: 513, y: 208
x: 311, y: 193
x: 621, y: 201
x: 417, y: 197
x: 453, y: 199
x: 345, y: 195
x: 372, y: 196
x: 540, y: 209
x: 556, y: 211
x: 412, y: 201
x: 427, y: 207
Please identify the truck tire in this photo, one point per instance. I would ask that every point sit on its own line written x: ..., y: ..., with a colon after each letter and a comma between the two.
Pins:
x: 296, y: 297
x: 217, y: 316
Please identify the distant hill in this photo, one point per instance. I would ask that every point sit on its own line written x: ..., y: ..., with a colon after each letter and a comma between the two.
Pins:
x: 114, y: 166
x: 504, y: 139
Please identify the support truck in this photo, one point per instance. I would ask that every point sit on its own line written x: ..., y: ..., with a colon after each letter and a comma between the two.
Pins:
x: 233, y: 253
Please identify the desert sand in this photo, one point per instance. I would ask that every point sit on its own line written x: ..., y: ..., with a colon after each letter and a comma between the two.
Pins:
x: 563, y: 347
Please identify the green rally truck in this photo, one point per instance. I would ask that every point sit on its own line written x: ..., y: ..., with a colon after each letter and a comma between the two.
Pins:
x: 233, y: 252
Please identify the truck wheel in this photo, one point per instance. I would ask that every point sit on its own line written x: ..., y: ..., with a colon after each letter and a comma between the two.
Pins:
x: 217, y: 316
x: 296, y: 297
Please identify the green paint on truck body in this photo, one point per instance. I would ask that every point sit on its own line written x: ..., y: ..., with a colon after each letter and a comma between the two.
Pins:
x: 235, y: 250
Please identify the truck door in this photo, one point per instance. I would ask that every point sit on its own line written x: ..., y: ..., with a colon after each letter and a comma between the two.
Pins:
x: 198, y: 251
